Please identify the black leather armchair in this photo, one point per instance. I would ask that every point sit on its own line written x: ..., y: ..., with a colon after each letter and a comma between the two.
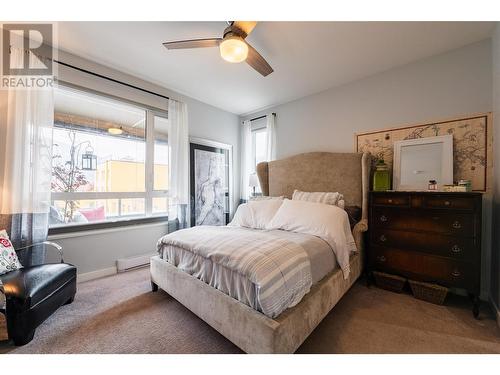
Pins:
x: 34, y: 293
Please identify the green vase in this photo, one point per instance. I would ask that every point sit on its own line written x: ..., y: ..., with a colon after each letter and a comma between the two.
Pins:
x: 381, y: 176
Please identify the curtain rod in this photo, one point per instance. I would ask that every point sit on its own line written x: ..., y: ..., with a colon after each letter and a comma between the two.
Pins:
x: 110, y: 79
x: 260, y: 117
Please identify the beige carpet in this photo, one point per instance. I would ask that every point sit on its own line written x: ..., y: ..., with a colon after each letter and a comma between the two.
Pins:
x: 119, y: 314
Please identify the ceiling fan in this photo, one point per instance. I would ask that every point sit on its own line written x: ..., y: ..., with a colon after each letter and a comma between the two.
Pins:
x: 232, y: 46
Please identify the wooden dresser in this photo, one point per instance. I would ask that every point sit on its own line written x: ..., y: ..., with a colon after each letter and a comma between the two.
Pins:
x: 427, y: 236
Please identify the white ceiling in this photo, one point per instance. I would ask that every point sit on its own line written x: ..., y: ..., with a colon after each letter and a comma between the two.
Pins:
x: 307, y: 57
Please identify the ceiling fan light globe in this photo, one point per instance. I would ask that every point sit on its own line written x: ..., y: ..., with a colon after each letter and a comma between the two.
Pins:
x: 233, y: 49
x: 115, y: 131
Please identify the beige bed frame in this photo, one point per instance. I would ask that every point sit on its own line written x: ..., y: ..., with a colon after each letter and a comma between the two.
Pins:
x: 247, y: 328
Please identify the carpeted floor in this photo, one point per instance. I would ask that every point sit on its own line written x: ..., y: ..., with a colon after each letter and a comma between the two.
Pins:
x: 119, y: 314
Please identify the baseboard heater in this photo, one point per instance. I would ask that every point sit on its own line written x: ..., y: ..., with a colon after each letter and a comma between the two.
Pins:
x: 127, y: 264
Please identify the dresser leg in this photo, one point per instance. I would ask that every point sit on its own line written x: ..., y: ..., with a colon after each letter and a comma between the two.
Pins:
x: 475, y: 305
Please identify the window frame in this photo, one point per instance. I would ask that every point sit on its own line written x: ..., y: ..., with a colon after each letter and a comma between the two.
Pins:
x: 149, y: 192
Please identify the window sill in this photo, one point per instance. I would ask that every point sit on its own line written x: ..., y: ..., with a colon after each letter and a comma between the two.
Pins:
x: 107, y: 227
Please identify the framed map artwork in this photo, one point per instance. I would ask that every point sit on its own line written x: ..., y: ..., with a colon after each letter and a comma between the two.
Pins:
x: 472, y: 146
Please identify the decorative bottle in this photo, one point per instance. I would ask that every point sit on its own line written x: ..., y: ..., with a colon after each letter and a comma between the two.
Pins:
x: 381, y: 176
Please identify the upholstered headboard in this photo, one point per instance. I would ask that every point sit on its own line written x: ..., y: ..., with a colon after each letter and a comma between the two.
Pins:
x: 347, y: 173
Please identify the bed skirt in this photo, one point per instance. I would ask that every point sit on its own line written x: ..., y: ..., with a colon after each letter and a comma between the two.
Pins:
x: 250, y: 330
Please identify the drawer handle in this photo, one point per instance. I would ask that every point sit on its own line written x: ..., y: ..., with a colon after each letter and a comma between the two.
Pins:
x: 383, y: 218
x: 381, y: 258
x: 447, y: 203
x: 455, y: 273
x: 383, y: 238
x: 456, y: 224
x: 456, y: 249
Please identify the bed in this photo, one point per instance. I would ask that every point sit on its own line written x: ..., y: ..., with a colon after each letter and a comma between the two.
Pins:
x: 249, y: 329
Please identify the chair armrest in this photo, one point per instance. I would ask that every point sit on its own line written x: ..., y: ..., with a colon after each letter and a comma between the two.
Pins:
x: 49, y: 244
x: 57, y: 247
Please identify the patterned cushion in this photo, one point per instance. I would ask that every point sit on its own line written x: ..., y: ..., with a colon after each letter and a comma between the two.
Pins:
x: 331, y: 198
x: 265, y: 198
x: 8, y: 256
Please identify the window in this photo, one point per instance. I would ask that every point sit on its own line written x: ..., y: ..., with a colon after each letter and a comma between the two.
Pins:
x: 110, y: 160
x: 259, y: 142
x: 259, y: 149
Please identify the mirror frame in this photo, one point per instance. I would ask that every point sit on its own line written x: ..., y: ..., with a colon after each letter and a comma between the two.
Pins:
x: 446, y: 161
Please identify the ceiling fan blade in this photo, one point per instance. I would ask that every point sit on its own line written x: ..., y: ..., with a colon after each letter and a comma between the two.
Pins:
x: 256, y: 61
x: 193, y: 43
x: 245, y: 26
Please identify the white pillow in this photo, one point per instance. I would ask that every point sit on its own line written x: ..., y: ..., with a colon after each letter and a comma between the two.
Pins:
x: 329, y: 222
x: 256, y: 214
x: 242, y: 217
x: 263, y: 211
x: 332, y: 198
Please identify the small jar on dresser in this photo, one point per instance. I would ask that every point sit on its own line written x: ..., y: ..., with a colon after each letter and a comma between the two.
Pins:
x: 427, y: 236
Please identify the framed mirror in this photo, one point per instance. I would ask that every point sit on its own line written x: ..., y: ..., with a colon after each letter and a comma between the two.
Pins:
x: 417, y: 161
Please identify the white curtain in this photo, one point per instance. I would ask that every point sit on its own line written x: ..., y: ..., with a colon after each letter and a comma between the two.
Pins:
x: 27, y: 117
x: 247, y: 166
x: 26, y: 148
x: 271, y: 136
x: 178, y: 139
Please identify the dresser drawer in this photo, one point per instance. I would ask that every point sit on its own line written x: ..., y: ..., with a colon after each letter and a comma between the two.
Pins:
x: 449, y: 223
x: 447, y: 202
x: 453, y: 273
x: 460, y: 248
x: 399, y: 200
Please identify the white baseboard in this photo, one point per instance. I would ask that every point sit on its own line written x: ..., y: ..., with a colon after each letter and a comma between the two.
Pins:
x: 87, y: 276
x: 122, y: 265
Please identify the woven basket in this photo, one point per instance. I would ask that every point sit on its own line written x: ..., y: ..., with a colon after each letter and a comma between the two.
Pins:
x: 428, y: 292
x: 389, y: 282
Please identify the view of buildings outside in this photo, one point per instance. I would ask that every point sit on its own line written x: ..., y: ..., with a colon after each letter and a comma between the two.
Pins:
x: 119, y: 168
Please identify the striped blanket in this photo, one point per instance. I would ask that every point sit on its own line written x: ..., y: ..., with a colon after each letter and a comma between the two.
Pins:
x: 279, y: 268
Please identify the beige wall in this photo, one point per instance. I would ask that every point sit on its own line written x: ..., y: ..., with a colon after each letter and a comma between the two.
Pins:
x: 445, y: 86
